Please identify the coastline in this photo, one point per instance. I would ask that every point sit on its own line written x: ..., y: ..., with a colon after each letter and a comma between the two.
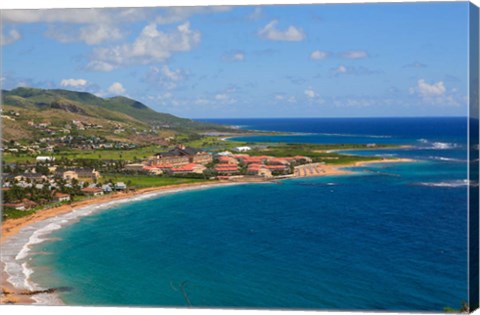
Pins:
x: 18, y: 234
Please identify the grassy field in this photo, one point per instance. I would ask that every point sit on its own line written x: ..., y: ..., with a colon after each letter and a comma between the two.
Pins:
x: 130, y: 155
x: 10, y: 213
x: 144, y: 181
x: 318, y: 152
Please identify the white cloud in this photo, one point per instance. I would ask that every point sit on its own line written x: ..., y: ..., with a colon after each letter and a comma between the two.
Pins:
x: 355, y: 71
x: 116, y: 88
x: 180, y: 14
x: 96, y: 25
x: 310, y: 93
x: 73, y: 82
x: 318, y: 55
x: 174, y: 75
x: 437, y: 93
x: 98, y: 65
x: 292, y: 99
x: 354, y: 54
x: 238, y: 57
x: 225, y: 98
x: 12, y: 36
x: 165, y: 76
x: 150, y: 46
x: 431, y: 90
x: 270, y: 32
x: 341, y: 69
x: 234, y: 56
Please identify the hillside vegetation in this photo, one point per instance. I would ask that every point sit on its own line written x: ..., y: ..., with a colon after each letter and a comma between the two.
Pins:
x: 60, y: 107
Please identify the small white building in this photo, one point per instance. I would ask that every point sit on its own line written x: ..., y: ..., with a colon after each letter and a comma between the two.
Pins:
x: 107, y: 188
x: 44, y: 159
x: 120, y: 186
x: 243, y: 149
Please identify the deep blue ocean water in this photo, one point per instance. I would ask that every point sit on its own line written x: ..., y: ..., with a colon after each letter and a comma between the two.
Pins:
x: 392, y: 237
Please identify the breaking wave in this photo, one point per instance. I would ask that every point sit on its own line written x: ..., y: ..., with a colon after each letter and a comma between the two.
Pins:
x: 445, y: 184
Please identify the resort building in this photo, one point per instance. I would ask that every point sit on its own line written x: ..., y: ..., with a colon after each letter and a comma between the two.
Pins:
x: 34, y: 177
x: 138, y: 167
x: 188, y: 169
x: 78, y: 173
x: 182, y: 155
x: 228, y: 160
x: 259, y: 169
x: 226, y: 169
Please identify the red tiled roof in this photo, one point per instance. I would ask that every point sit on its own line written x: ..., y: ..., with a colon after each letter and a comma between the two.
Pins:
x: 254, y: 167
x: 60, y: 195
x: 225, y: 158
x: 224, y: 168
x: 160, y: 165
x: 188, y: 167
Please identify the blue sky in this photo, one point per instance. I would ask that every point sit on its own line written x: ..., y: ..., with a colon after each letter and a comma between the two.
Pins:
x: 326, y: 60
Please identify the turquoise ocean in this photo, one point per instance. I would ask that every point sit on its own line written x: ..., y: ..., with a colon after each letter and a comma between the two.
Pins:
x: 390, y: 237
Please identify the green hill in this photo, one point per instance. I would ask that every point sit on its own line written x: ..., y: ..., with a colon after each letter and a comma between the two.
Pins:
x: 119, y: 108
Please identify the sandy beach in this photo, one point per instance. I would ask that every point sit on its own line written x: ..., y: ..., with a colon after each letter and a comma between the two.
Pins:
x: 18, y: 234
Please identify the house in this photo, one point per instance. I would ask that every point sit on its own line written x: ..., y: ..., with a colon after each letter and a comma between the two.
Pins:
x: 182, y: 155
x: 89, y: 191
x: 120, y: 186
x: 15, y: 205
x: 243, y: 149
x: 107, y: 188
x: 23, y: 205
x: 59, y: 197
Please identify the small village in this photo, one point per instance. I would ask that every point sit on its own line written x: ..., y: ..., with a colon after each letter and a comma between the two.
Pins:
x: 49, y: 182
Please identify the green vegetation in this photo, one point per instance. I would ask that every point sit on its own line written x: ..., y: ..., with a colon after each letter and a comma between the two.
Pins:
x: 60, y: 107
x: 10, y: 213
x: 318, y: 152
x: 129, y: 155
x: 464, y: 308
x: 145, y: 181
